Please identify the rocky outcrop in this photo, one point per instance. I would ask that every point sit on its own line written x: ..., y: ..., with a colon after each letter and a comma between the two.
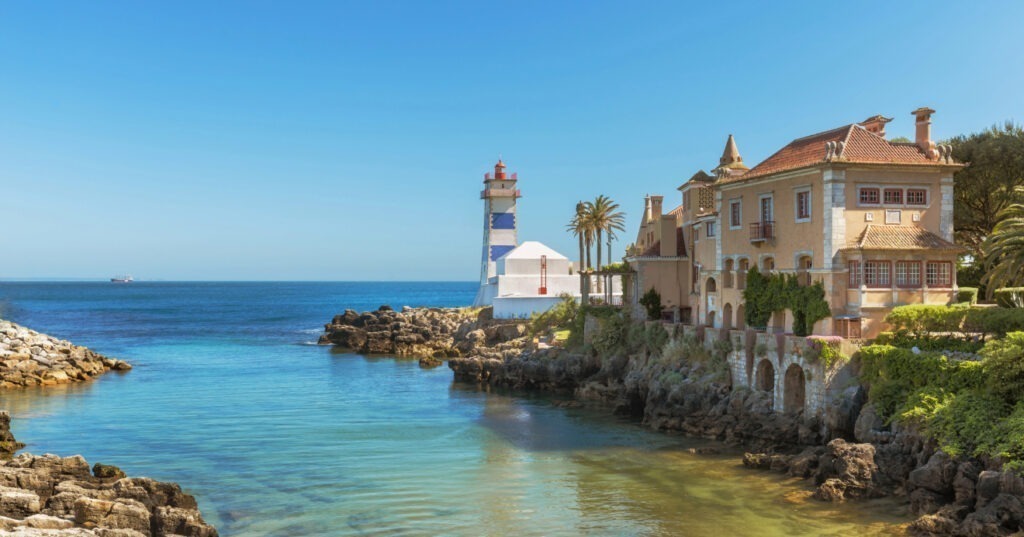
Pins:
x: 432, y: 333
x: 51, y: 495
x: 849, y: 451
x: 28, y: 358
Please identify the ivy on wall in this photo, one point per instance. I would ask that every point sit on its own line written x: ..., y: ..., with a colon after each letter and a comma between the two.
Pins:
x: 769, y: 293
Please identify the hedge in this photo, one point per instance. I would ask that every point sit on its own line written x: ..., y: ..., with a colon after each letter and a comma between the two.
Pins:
x: 1010, y: 297
x: 920, y: 319
x: 967, y: 295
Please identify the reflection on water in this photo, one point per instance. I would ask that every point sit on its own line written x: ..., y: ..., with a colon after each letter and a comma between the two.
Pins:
x: 277, y: 438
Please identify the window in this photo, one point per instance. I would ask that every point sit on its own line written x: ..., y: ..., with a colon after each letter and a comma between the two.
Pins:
x: 868, y: 196
x: 939, y: 274
x: 735, y: 214
x: 709, y: 229
x: 894, y: 196
x: 768, y: 264
x: 803, y: 205
x: 876, y: 274
x: 741, y: 275
x: 854, y: 274
x: 917, y: 196
x: 908, y: 274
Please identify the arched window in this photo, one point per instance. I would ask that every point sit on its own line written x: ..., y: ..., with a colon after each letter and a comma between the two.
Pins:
x: 768, y: 264
x: 727, y: 274
x: 741, y: 274
x: 803, y: 268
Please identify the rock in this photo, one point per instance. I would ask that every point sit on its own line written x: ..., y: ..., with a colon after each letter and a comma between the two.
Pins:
x: 28, y: 358
x: 106, y: 471
x: 848, y: 470
x: 936, y: 476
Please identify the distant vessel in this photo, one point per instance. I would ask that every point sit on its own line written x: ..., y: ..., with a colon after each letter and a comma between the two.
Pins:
x: 127, y: 278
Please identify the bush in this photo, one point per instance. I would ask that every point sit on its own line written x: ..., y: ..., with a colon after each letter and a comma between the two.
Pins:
x: 1004, y: 366
x: 922, y: 318
x: 1010, y: 297
x: 826, y: 350
x: 998, y: 321
x: 967, y: 295
x: 651, y: 301
x: 929, y: 342
x: 560, y: 316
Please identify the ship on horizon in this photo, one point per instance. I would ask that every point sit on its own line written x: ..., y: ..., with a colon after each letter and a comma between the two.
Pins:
x: 127, y: 278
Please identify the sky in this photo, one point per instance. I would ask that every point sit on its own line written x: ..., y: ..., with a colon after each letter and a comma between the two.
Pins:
x: 348, y: 141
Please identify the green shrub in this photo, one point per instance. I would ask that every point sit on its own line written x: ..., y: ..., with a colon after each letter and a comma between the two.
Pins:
x: 561, y: 315
x: 929, y: 342
x: 825, y: 349
x: 613, y: 336
x: 1004, y: 366
x: 651, y: 301
x: 922, y: 318
x: 1010, y: 297
x: 967, y: 295
x: 997, y: 321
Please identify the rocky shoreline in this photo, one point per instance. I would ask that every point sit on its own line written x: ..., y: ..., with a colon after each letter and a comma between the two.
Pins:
x: 28, y: 358
x: 47, y: 495
x: 847, y: 452
x: 430, y: 334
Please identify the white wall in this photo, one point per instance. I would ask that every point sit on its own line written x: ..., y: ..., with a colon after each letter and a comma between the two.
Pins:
x: 522, y: 308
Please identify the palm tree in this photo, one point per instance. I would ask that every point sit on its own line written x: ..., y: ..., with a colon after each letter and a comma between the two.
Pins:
x: 603, y: 216
x: 1004, y: 248
x: 578, y: 227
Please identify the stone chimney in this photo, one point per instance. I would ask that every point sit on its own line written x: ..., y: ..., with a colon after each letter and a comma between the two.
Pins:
x: 876, y: 124
x: 656, y: 207
x: 923, y: 134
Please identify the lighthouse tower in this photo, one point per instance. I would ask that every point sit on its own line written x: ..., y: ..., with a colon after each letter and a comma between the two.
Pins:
x: 499, y: 195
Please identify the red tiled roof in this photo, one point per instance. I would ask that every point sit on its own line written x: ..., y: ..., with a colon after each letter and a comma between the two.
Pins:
x: 875, y: 237
x: 677, y: 210
x: 859, y: 146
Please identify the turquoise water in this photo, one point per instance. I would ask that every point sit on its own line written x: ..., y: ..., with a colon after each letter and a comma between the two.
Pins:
x: 277, y: 436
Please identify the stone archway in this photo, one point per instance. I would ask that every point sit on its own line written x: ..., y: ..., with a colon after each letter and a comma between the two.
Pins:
x: 794, y: 390
x: 711, y: 319
x: 766, y: 376
x: 727, y: 317
x: 710, y: 289
x: 741, y: 320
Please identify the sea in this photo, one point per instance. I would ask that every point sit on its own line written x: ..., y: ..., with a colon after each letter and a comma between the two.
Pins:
x: 276, y: 436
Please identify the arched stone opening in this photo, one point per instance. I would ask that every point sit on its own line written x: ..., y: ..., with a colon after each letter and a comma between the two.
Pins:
x: 727, y: 275
x: 741, y: 273
x: 766, y: 376
x: 710, y: 286
x: 711, y: 319
x: 741, y: 320
x: 794, y: 389
x: 727, y: 317
x: 768, y: 264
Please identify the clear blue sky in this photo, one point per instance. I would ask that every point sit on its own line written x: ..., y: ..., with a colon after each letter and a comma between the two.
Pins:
x: 335, y: 141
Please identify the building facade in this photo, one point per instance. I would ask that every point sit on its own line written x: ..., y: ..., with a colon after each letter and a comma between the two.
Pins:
x: 870, y: 218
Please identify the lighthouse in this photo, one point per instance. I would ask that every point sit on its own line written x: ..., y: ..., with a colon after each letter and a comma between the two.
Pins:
x: 499, y: 195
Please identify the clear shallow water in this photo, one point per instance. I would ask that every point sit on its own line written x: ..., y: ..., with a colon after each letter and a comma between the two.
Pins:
x: 276, y: 436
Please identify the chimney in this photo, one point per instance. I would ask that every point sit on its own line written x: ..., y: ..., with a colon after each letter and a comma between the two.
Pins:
x: 647, y: 208
x: 656, y: 206
x: 876, y: 124
x: 923, y: 137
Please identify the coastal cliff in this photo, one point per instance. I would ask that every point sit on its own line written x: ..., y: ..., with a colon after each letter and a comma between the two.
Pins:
x: 846, y: 450
x: 47, y: 495
x: 28, y: 358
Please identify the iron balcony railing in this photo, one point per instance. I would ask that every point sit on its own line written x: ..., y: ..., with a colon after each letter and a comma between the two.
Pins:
x: 762, y: 231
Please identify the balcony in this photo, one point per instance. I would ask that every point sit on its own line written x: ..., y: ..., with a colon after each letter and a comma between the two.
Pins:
x: 762, y: 231
x: 500, y: 193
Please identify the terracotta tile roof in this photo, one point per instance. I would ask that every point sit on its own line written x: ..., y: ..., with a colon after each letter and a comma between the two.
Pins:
x: 676, y: 211
x: 858, y: 146
x: 880, y: 237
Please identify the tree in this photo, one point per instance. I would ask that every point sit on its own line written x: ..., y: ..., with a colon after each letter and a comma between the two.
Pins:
x: 1004, y: 249
x: 603, y: 216
x: 986, y: 186
x: 578, y: 227
x: 651, y: 301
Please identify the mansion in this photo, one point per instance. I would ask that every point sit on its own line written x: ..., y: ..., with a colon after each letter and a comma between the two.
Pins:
x: 870, y: 218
